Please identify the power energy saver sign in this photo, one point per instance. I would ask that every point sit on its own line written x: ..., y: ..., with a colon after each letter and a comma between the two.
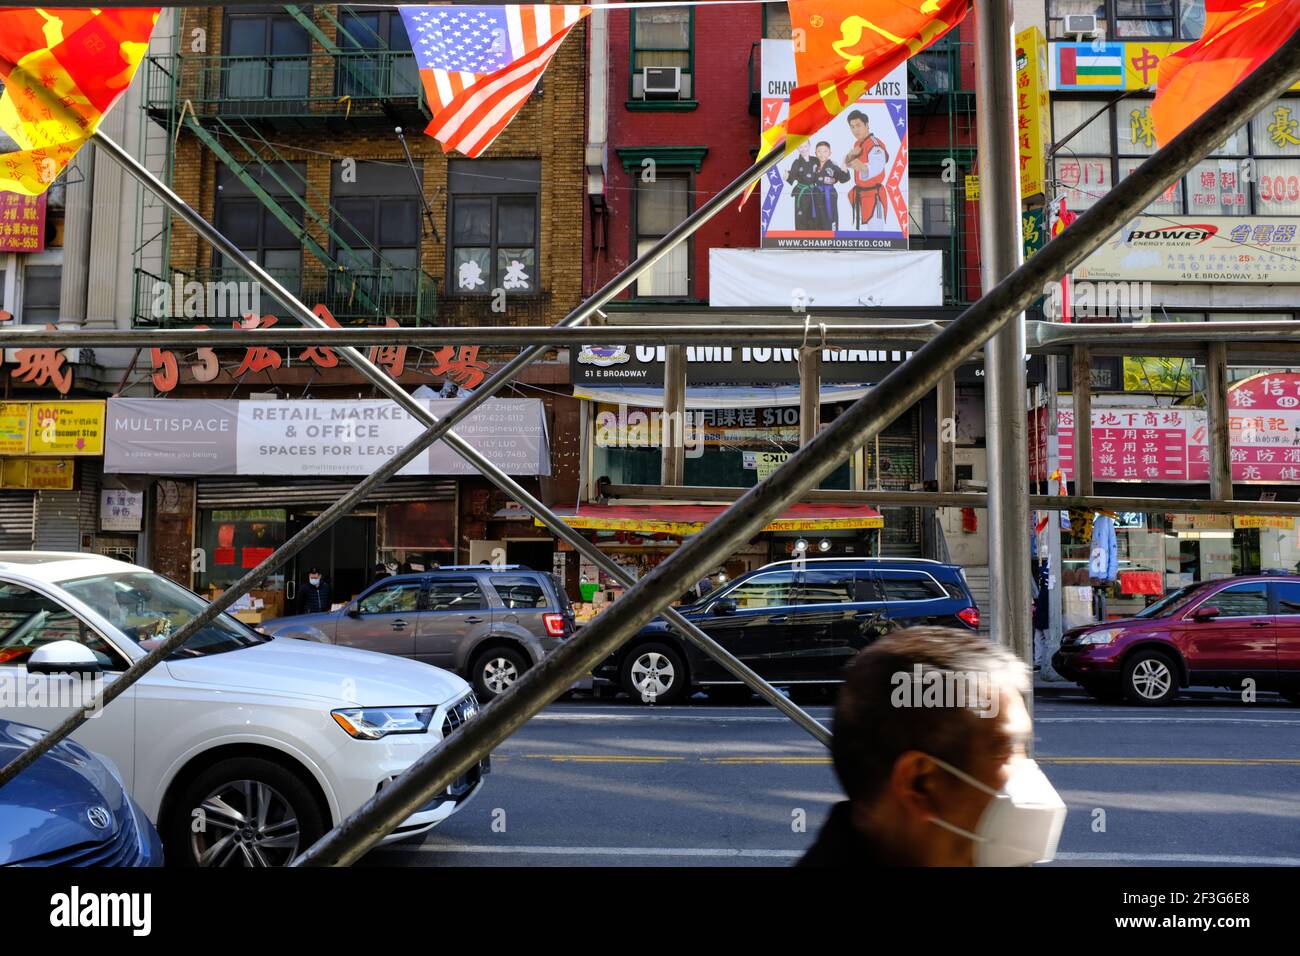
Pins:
x: 311, y: 438
x: 1199, y: 249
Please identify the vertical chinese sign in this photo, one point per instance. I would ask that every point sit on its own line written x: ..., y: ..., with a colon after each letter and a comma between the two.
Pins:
x: 1033, y: 121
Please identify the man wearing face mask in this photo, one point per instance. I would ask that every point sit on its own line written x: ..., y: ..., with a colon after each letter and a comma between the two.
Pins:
x: 314, y: 596
x: 930, y: 744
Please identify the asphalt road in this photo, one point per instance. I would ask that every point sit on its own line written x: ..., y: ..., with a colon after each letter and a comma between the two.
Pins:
x: 1209, y: 781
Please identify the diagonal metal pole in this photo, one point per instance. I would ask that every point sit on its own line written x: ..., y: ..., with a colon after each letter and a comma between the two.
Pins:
x: 803, y: 471
x: 441, y: 428
x: 437, y: 429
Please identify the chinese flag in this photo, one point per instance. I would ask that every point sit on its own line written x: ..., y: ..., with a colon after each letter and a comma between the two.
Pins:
x: 1239, y: 36
x: 62, y: 70
x: 845, y: 47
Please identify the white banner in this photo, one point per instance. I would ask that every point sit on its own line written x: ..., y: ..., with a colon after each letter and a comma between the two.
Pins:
x: 794, y: 278
x: 312, y: 438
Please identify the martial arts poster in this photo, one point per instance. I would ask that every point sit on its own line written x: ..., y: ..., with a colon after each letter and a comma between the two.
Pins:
x: 846, y: 188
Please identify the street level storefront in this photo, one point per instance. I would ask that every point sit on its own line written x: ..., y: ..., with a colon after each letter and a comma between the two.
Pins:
x: 233, y: 480
x: 639, y: 536
x: 1162, y: 445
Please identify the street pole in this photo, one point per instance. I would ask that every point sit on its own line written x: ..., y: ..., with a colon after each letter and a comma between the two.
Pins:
x: 1004, y: 378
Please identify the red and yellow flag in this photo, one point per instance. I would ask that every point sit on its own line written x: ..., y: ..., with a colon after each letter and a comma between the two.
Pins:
x: 843, y: 47
x: 1239, y: 36
x: 62, y: 71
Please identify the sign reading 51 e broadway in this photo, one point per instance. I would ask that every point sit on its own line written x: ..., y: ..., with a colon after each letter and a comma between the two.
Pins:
x: 1199, y: 249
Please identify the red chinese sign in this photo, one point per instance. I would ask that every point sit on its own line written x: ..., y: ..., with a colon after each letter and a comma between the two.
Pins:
x: 40, y: 367
x: 1171, y: 444
x: 22, y: 222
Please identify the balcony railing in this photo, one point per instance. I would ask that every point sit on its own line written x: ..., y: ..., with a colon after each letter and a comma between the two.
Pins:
x: 321, y: 86
x: 221, y: 296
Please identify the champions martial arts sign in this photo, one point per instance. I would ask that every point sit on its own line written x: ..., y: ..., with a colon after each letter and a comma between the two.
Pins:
x: 846, y: 188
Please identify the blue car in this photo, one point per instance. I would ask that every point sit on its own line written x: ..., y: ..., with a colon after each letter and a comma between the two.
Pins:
x: 69, y: 809
x: 792, y: 622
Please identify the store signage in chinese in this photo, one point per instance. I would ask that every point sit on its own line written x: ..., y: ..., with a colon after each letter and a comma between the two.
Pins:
x: 37, y: 474
x: 312, y: 438
x: 120, y: 509
x: 1034, y: 125
x: 1201, y: 249
x: 1094, y: 66
x: 40, y: 367
x: 1172, y: 444
x: 22, y: 222
x: 52, y: 428
x: 459, y: 363
x: 620, y: 426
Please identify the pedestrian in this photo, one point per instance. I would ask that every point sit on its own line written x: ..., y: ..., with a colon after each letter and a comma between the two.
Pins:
x: 314, y: 596
x: 930, y: 745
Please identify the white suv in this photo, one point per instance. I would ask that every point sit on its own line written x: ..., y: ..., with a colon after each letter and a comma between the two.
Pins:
x: 243, y: 750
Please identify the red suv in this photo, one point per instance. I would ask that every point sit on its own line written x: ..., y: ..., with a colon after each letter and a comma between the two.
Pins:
x: 1215, y: 633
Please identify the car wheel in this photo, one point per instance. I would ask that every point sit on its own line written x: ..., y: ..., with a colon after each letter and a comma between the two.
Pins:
x: 495, y: 670
x: 1150, y: 678
x: 242, y: 812
x: 654, y: 674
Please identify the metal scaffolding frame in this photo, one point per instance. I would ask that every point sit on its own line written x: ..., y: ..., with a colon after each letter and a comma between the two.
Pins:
x: 797, y: 478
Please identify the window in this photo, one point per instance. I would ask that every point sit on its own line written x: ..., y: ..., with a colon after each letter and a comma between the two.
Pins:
x: 909, y: 586
x: 520, y: 592
x: 663, y: 36
x: 1127, y: 19
x: 1288, y: 597
x: 662, y: 204
x: 29, y: 620
x: 260, y: 235
x: 455, y: 594
x: 776, y: 21
x: 375, y: 55
x: 1255, y: 171
x: 494, y: 226
x: 377, y: 217
x: 393, y: 599
x: 774, y: 589
x: 827, y: 587
x: 267, y: 57
x: 1240, y: 600
x: 41, y: 295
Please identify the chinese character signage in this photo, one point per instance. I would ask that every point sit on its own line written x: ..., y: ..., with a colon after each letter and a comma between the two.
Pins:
x: 37, y: 474
x: 1171, y: 444
x: 22, y: 222
x: 1098, y: 66
x: 52, y: 428
x: 1033, y: 120
x: 13, y: 427
x: 1200, y: 249
x: 846, y: 188
x: 120, y: 509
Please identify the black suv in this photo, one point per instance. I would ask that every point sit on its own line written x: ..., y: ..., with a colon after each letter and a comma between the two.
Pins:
x: 793, y: 622
x: 487, y: 624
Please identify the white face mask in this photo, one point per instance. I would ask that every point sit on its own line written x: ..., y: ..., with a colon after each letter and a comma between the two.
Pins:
x: 314, y: 579
x: 1022, y: 823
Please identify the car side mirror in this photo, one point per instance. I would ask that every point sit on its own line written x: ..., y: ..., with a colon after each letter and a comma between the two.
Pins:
x: 353, y: 610
x: 724, y: 606
x: 63, y: 657
x: 1205, y: 613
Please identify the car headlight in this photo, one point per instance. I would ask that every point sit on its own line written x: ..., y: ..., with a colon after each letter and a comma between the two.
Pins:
x: 1104, y: 636
x: 373, y: 723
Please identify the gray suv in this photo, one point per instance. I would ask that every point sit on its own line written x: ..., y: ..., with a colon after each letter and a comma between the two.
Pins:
x: 488, y: 624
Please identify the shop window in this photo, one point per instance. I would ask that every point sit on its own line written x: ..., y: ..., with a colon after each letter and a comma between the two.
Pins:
x: 266, y: 57
x: 455, y: 594
x: 41, y: 294
x: 417, y: 533
x: 493, y: 227
x: 661, y: 204
x: 235, y: 540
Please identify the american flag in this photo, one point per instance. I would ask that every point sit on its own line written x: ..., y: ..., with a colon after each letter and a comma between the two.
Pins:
x: 480, y: 64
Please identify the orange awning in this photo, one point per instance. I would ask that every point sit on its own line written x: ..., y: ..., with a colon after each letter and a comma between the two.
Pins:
x: 685, y: 520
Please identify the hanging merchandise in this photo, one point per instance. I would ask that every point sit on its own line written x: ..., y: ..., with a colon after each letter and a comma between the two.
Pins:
x: 1104, y: 555
x: 1080, y: 524
x: 969, y: 521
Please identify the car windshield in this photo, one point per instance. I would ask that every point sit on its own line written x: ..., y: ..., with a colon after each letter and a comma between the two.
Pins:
x: 148, y: 608
x: 1172, y: 603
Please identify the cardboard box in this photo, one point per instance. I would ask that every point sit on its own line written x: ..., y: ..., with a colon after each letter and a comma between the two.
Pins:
x: 248, y: 617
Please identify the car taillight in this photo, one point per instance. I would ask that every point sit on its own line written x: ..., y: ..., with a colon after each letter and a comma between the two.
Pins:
x: 971, y: 616
x: 554, y: 624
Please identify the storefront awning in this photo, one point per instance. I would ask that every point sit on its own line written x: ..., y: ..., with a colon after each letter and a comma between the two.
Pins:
x: 685, y: 520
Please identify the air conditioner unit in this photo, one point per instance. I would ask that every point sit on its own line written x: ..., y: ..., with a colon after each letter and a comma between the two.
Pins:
x: 661, y: 82
x: 1080, y: 24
